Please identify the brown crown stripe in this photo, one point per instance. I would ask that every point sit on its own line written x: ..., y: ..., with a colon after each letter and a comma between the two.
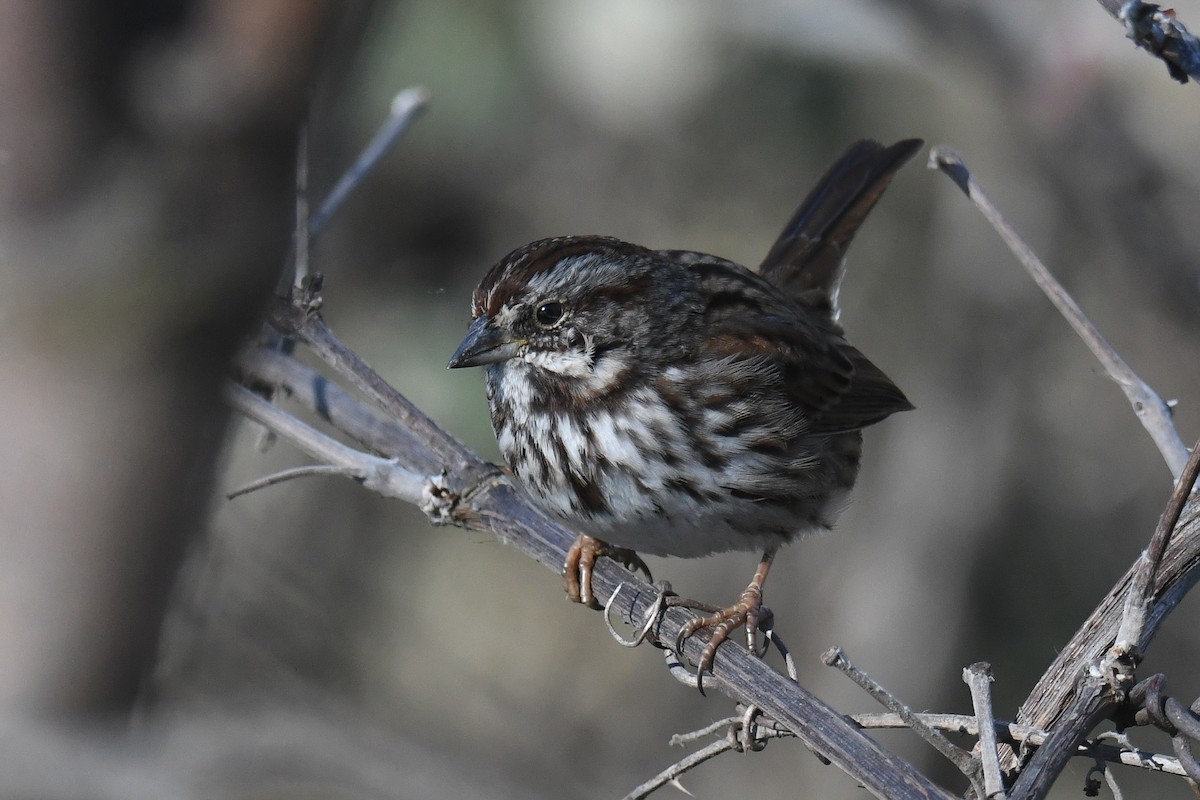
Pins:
x: 517, y: 268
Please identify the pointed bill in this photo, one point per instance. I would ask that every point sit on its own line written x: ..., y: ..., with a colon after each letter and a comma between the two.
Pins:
x: 483, y: 344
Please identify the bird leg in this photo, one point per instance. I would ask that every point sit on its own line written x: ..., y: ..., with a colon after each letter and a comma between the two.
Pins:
x: 747, y: 611
x: 581, y: 558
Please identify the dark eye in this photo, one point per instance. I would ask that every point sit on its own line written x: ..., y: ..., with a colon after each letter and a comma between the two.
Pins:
x: 548, y: 314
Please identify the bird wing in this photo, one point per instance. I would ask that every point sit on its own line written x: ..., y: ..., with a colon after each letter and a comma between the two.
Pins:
x: 748, y: 320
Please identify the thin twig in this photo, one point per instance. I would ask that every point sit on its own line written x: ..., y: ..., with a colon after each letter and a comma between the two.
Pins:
x: 835, y: 657
x: 681, y: 739
x: 291, y: 474
x: 965, y: 724
x: 378, y: 474
x: 978, y: 677
x: 303, y: 237
x: 671, y: 774
x: 1113, y: 786
x: 1154, y: 414
x: 406, y: 107
x: 1013, y: 733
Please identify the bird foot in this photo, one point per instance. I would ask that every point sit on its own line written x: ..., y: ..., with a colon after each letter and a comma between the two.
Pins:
x: 747, y: 612
x: 581, y: 558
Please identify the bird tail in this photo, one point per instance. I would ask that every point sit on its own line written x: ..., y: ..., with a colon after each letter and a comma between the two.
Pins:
x: 806, y: 260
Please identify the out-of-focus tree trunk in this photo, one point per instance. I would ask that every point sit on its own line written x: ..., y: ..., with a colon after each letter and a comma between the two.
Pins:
x: 146, y: 163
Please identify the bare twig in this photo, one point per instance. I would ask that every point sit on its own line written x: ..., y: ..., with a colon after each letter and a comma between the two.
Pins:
x: 721, y: 725
x: 1155, y: 415
x: 302, y: 238
x: 1048, y: 702
x: 406, y: 107
x: 1113, y: 786
x: 378, y: 474
x: 978, y: 677
x: 761, y: 734
x: 965, y: 724
x: 291, y: 474
x: 836, y: 658
x: 1013, y: 733
x: 671, y: 774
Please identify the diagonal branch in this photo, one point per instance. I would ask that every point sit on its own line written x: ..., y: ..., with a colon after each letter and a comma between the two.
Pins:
x: 1139, y: 600
x: 478, y: 497
x: 1154, y: 414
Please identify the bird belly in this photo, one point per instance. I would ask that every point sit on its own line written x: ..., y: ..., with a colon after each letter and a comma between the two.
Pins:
x: 613, y: 477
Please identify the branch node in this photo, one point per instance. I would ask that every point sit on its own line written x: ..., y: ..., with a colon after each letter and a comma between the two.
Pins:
x: 1158, y: 31
x: 437, y: 500
x: 308, y: 299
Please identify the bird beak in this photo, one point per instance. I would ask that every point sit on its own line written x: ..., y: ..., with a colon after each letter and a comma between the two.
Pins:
x: 483, y: 344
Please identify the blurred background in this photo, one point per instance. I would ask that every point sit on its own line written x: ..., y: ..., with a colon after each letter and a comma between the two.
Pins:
x: 314, y: 617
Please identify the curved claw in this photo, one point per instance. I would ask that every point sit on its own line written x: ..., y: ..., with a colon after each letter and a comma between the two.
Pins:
x: 749, y: 611
x: 581, y: 560
x: 693, y: 625
x: 631, y: 561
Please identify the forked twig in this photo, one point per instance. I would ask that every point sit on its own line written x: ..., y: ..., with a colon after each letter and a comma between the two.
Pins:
x: 835, y: 657
x: 1155, y: 415
x: 378, y: 474
x: 671, y: 775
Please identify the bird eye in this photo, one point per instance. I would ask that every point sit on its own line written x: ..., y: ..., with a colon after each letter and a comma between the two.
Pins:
x: 548, y: 314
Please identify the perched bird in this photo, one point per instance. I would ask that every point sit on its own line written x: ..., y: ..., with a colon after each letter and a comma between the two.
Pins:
x: 676, y: 403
